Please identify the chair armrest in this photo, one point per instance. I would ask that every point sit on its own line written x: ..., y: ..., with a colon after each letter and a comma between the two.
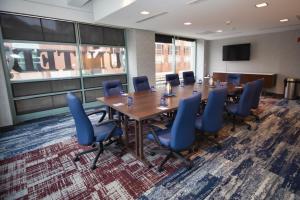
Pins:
x: 103, y: 112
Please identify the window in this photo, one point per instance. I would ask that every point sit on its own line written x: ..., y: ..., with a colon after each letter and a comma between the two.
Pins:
x: 185, y: 59
x: 173, y: 56
x: 103, y: 60
x: 163, y: 61
x: 44, y: 61
x: 28, y: 61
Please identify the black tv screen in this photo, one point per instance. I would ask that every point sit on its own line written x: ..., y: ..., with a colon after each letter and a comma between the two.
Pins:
x: 236, y: 52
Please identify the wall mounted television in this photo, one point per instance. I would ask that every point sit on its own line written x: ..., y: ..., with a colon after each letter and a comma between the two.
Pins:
x: 236, y: 52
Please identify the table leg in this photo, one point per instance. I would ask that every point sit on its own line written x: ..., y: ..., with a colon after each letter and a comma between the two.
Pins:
x: 110, y: 116
x: 125, y: 123
x: 141, y: 140
x: 136, y: 130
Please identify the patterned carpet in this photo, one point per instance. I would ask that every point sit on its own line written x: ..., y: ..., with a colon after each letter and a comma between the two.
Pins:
x: 36, y: 163
x: 259, y: 164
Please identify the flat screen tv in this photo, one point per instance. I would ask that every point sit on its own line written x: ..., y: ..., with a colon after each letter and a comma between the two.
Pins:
x: 236, y: 52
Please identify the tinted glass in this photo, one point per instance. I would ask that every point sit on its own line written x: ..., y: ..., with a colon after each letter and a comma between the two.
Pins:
x: 21, y: 28
x: 30, y: 61
x: 103, y: 60
x: 58, y: 31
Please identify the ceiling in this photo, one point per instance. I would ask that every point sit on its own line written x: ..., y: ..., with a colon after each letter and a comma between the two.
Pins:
x: 168, y: 16
x: 206, y: 16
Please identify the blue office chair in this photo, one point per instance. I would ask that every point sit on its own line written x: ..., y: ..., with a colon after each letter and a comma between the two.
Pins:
x: 234, y: 79
x: 258, y: 89
x: 173, y: 79
x: 242, y: 109
x: 91, y: 135
x: 112, y: 88
x: 181, y: 135
x: 211, y: 121
x: 188, y: 78
x: 141, y: 83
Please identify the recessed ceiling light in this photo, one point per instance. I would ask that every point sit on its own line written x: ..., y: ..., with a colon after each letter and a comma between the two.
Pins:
x: 144, y: 12
x: 228, y: 22
x: 219, y: 31
x: 284, y: 20
x: 187, y: 23
x: 261, y: 5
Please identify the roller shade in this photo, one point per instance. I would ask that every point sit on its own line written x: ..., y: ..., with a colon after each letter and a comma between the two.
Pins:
x: 15, y: 27
x: 163, y: 38
x: 58, y: 31
x: 90, y: 34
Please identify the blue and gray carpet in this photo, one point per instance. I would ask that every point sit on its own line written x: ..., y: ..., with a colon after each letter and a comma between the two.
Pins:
x: 259, y: 164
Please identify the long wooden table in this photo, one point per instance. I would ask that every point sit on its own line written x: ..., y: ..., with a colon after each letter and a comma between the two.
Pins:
x: 146, y: 105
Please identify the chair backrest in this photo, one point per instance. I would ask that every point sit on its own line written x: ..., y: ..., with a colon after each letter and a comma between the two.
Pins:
x: 234, y: 79
x: 188, y: 77
x: 246, y: 100
x: 258, y: 88
x: 183, y: 129
x: 84, y: 128
x: 112, y: 88
x: 141, y: 83
x: 212, y: 119
x: 173, y: 79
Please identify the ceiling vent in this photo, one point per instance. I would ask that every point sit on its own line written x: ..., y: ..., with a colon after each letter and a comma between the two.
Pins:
x: 192, y: 2
x: 152, y: 17
x: 205, y: 33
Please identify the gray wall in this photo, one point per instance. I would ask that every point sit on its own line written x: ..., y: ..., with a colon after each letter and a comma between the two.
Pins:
x: 141, y: 55
x: 5, y: 112
x: 270, y: 53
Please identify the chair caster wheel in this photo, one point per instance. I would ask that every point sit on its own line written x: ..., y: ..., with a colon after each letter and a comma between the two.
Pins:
x: 160, y: 169
x: 93, y: 167
x: 76, y: 159
x: 152, y: 154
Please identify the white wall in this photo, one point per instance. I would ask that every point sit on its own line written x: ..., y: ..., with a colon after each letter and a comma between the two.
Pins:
x: 201, y: 59
x: 141, y: 55
x: 270, y: 53
x: 5, y: 112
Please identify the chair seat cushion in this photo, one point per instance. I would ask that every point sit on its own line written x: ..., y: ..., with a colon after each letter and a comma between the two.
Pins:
x: 198, y: 123
x: 102, y: 132
x: 232, y: 108
x: 164, y: 136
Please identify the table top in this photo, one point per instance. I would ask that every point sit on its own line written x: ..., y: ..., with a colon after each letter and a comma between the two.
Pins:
x: 146, y: 104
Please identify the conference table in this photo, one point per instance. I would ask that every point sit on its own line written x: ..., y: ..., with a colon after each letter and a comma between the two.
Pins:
x: 146, y: 105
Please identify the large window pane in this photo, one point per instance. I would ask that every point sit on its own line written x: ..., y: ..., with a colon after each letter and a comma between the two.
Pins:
x: 185, y: 56
x: 103, y: 60
x: 30, y: 61
x: 163, y: 61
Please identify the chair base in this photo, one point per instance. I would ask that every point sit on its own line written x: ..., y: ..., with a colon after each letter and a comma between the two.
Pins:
x: 170, y: 154
x: 234, y: 121
x: 96, y: 147
x: 210, y: 138
x: 256, y: 117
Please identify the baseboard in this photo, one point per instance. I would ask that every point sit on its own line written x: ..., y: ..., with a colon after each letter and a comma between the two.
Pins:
x: 6, y: 128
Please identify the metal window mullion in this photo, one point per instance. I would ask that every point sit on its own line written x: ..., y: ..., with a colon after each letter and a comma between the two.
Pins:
x: 80, y: 61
